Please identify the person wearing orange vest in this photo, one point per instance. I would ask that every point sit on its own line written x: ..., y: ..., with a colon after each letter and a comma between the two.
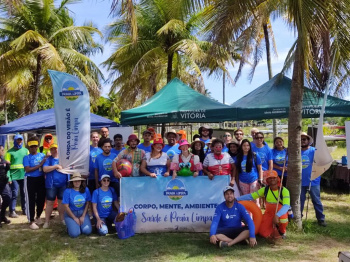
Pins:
x: 270, y: 217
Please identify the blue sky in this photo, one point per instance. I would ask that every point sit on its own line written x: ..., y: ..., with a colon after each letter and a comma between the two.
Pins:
x: 97, y: 11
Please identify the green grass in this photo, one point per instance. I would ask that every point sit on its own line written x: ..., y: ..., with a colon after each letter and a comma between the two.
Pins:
x: 19, y: 243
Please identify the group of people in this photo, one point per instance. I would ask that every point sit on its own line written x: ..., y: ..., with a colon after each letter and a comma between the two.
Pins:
x: 36, y: 173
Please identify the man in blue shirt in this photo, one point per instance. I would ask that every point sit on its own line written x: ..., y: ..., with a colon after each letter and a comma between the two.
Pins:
x: 307, y: 158
x: 226, y: 228
x: 171, y: 148
x: 118, y: 144
x: 146, y: 145
x: 103, y: 165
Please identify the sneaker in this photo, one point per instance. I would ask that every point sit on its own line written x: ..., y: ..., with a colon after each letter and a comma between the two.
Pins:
x: 13, y: 214
x: 46, y: 225
x: 223, y: 244
x: 322, y: 223
x: 33, y: 226
x: 38, y: 221
x: 5, y: 220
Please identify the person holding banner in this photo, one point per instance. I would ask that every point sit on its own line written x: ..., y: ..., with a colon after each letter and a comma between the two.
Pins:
x: 104, y: 199
x: 313, y: 187
x: 273, y: 216
x: 55, y: 183
x: 226, y: 229
x: 133, y: 154
x: 185, y: 164
x: 156, y: 163
x: 218, y: 163
x: 76, y: 201
x: 34, y: 182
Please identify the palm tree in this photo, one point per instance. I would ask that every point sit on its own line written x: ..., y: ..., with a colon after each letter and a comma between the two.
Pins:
x: 310, y: 19
x: 36, y: 36
x: 166, y: 46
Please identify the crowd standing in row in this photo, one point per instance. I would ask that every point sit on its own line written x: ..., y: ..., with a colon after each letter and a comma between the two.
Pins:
x: 250, y: 164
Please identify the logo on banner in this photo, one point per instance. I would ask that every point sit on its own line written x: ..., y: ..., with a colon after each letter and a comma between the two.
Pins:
x: 175, y: 190
x: 71, y: 91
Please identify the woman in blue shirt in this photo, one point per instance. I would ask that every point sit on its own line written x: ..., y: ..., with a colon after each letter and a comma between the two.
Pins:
x: 248, y: 165
x: 76, y: 200
x: 104, y: 199
x: 279, y: 154
x: 34, y: 183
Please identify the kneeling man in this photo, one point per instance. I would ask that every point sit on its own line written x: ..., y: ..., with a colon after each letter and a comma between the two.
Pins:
x: 270, y: 218
x: 226, y: 228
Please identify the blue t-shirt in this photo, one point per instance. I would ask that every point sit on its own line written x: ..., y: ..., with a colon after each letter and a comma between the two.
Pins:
x: 94, y: 152
x: 265, y: 155
x: 205, y: 144
x: 278, y: 157
x: 171, y: 150
x: 225, y: 149
x: 76, y: 200
x: 225, y: 217
x: 307, y: 158
x: 104, y: 165
x: 104, y: 201
x: 115, y: 151
x: 32, y: 161
x: 145, y: 148
x: 54, y: 178
x: 251, y: 176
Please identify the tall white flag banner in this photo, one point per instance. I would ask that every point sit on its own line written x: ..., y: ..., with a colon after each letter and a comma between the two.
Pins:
x: 322, y: 158
x: 72, y: 112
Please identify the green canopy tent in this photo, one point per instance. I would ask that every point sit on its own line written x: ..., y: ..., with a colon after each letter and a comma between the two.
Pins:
x: 272, y: 99
x: 177, y: 102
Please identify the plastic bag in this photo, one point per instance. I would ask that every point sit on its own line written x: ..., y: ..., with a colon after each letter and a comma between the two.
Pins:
x: 125, y: 224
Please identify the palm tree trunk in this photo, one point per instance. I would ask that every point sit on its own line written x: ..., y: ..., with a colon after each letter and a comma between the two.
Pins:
x: 6, y: 118
x: 36, y: 85
x: 269, y: 69
x: 294, y: 131
x: 169, y: 68
x: 168, y: 79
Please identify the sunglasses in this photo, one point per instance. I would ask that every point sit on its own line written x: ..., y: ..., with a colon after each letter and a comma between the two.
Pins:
x: 105, y: 180
x: 304, y: 139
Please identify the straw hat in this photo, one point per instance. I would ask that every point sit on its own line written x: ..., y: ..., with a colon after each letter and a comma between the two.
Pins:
x: 198, y: 140
x: 172, y: 131
x: 311, y: 140
x: 76, y: 177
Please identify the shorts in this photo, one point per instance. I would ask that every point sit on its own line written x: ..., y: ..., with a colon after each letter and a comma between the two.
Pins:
x: 231, y: 232
x: 52, y: 193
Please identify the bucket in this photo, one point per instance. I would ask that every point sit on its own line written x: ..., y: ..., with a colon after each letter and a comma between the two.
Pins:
x: 344, y: 160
